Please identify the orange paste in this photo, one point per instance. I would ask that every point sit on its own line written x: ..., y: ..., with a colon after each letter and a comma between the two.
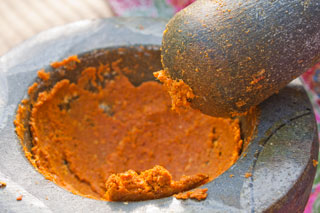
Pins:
x: 181, y: 94
x: 198, y: 194
x: 107, y: 139
x: 43, y: 75
x: 68, y: 63
x: 314, y: 162
x: 2, y: 184
x: 19, y: 198
x: 247, y: 175
x: 150, y: 184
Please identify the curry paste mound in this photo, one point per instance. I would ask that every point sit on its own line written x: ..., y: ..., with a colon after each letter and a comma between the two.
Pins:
x: 101, y: 137
x: 150, y: 184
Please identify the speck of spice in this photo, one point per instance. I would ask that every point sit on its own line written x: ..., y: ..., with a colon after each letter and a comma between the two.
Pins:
x: 315, y: 163
x: 19, y: 198
x: 2, y: 184
x: 247, y: 175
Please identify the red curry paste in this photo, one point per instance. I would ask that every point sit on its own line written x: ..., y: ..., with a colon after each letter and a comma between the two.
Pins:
x: 104, y: 141
x: 198, y: 194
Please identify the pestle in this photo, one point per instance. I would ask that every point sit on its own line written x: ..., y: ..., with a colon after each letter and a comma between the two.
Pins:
x: 236, y: 53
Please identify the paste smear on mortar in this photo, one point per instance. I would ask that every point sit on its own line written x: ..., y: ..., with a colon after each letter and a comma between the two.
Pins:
x: 103, y: 138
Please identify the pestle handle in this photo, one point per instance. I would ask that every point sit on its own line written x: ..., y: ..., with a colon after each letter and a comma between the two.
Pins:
x: 235, y: 54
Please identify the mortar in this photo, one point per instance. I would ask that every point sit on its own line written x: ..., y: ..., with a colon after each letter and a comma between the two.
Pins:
x: 280, y: 153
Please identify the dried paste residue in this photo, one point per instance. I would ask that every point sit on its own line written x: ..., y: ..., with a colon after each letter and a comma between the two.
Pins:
x: 2, y: 184
x: 197, y: 194
x: 101, y: 137
x: 68, y: 63
x: 181, y: 94
x: 150, y: 184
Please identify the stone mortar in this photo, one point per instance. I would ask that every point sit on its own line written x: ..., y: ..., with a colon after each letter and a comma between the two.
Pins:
x: 280, y: 155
